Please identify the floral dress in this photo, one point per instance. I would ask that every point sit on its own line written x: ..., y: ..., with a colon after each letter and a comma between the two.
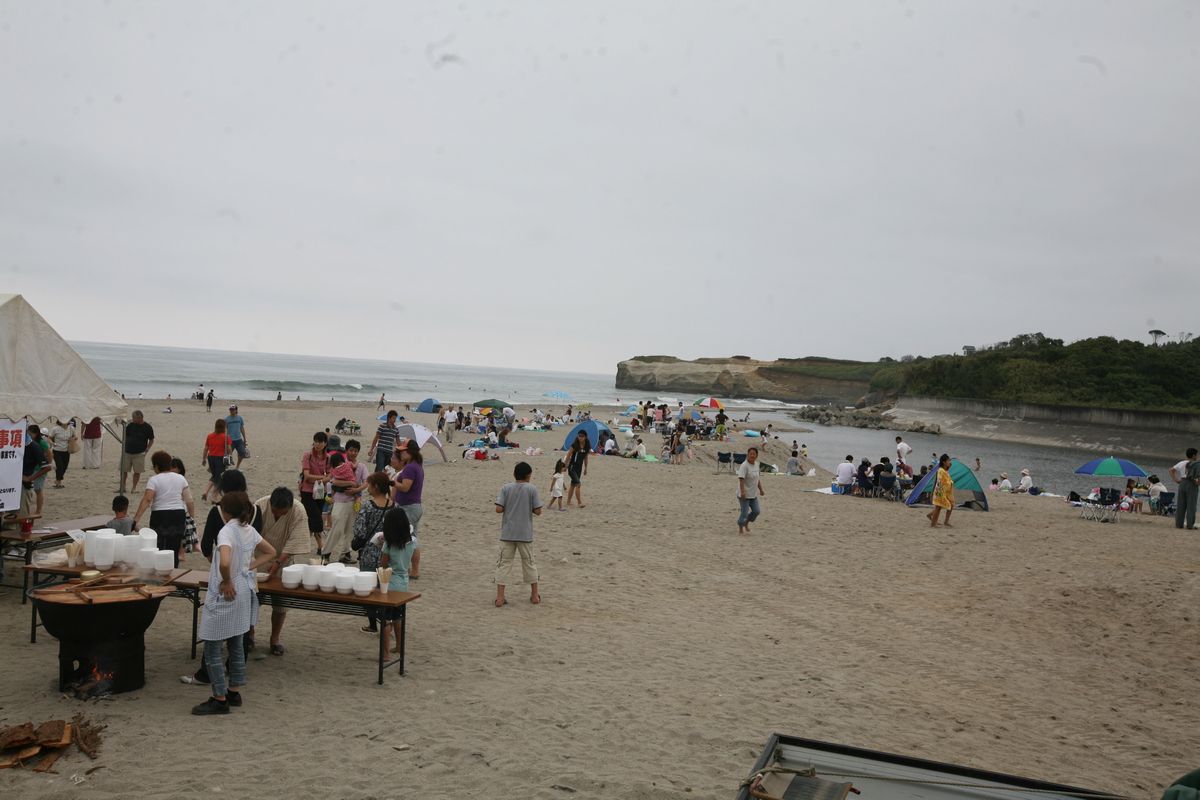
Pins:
x: 943, y: 489
x: 366, y: 524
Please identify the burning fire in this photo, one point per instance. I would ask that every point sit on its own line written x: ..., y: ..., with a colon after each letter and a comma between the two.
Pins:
x: 95, y: 675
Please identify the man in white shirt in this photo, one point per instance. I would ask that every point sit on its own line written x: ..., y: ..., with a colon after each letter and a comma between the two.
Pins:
x: 640, y: 450
x: 749, y: 490
x: 610, y: 445
x: 450, y: 418
x: 845, y: 475
x: 902, y: 451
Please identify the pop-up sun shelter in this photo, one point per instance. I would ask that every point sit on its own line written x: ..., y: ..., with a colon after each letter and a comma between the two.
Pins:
x: 592, y: 428
x: 422, y: 435
x: 967, y: 491
x: 430, y: 406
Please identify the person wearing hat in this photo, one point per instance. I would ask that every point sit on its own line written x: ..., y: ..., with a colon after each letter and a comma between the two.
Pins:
x: 1005, y: 483
x: 1026, y: 483
x: 235, y: 429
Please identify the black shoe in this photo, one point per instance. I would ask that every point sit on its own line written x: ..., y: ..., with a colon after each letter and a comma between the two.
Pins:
x: 211, y: 706
x: 233, y: 698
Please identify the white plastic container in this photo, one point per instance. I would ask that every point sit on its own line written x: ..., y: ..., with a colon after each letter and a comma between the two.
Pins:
x: 364, y: 583
x: 164, y: 561
x: 131, y: 543
x: 311, y: 576
x: 344, y: 583
x: 292, y: 575
x: 104, y: 549
x: 145, y: 559
x: 327, y: 578
x: 149, y: 538
x: 89, y: 547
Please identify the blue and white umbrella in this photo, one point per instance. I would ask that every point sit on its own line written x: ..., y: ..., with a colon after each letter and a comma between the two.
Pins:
x: 558, y: 394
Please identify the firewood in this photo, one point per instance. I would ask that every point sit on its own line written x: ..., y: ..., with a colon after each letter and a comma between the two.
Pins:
x: 29, y: 752
x: 87, y: 737
x: 48, y: 761
x: 17, y: 736
x: 55, y: 734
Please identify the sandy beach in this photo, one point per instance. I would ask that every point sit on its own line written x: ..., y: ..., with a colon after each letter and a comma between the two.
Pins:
x: 667, y: 648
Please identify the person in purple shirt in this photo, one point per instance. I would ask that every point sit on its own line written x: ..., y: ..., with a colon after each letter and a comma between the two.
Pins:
x: 408, y: 482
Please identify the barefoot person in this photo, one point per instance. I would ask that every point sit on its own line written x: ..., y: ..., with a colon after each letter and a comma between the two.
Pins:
x: 943, y: 493
x: 749, y: 490
x: 519, y: 503
x: 577, y: 462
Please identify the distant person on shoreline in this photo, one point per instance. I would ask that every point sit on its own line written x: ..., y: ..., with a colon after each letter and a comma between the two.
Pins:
x: 845, y: 475
x: 1026, y: 483
x: 208, y: 400
x: 381, y: 401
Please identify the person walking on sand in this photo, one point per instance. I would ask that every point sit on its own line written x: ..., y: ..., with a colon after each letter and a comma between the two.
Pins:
x: 381, y: 401
x: 208, y: 400
x: 384, y: 442
x: 217, y: 446
x: 519, y: 503
x: 556, y: 484
x: 62, y: 436
x: 139, y: 438
x: 577, y: 464
x: 943, y: 493
x: 235, y: 427
x: 1187, y: 474
x: 749, y: 490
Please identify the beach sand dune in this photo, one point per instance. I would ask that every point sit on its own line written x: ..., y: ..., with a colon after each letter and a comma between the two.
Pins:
x: 666, y: 649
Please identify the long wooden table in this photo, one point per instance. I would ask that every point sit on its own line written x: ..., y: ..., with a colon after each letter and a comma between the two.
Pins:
x: 272, y: 591
x: 50, y: 536
x: 35, y: 572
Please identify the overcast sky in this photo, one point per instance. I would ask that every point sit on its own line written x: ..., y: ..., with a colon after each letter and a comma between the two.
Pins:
x: 563, y: 185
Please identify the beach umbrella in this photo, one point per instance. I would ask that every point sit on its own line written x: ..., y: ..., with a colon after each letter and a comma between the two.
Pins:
x: 558, y: 394
x: 709, y: 402
x: 491, y: 403
x: 1111, y: 467
x: 422, y: 435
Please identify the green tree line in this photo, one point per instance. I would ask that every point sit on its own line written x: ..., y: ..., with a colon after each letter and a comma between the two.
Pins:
x: 1101, y: 372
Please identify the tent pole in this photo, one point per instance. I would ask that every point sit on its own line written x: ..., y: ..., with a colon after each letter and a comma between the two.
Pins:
x: 121, y: 453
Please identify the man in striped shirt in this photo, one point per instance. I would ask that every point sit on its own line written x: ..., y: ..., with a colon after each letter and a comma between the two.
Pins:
x: 384, y: 442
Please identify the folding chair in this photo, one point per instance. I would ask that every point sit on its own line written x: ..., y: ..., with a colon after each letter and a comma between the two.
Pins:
x: 887, y: 487
x: 1110, y: 503
x: 1165, y: 507
x: 724, y: 462
x: 738, y: 458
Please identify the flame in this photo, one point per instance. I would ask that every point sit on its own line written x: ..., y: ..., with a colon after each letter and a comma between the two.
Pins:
x: 96, y: 675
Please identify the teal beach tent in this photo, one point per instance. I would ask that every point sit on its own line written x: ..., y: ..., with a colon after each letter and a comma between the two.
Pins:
x: 592, y: 428
x: 429, y: 406
x: 967, y: 491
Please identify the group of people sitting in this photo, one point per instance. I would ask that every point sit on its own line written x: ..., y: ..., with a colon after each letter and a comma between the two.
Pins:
x: 872, y: 480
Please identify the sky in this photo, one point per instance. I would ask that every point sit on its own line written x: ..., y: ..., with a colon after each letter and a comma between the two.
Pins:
x: 565, y: 185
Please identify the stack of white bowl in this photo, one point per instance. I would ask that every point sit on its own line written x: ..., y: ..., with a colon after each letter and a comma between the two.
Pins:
x: 344, y: 582
x: 364, y: 583
x: 89, y: 546
x: 311, y: 576
x: 291, y: 575
x: 130, y: 544
x: 164, y: 561
x: 328, y: 577
x: 145, y: 558
x: 104, y: 548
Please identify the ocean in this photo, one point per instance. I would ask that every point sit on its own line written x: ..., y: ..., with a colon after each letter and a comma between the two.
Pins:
x: 156, y: 372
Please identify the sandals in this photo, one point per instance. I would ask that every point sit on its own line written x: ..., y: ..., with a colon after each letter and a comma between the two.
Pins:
x: 278, y: 650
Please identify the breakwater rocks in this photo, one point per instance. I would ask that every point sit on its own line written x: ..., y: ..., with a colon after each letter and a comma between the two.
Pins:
x: 873, y: 418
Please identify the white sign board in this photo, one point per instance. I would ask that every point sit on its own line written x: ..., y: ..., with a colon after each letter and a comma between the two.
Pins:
x: 12, y: 456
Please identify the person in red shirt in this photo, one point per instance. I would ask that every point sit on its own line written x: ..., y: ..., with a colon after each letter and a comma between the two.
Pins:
x: 217, y: 446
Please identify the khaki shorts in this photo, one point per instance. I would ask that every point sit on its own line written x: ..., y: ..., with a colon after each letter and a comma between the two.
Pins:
x: 133, y: 462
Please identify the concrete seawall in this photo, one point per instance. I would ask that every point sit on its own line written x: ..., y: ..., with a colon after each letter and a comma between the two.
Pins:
x: 1101, y: 430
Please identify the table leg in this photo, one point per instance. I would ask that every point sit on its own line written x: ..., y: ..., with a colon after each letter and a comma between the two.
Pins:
x: 25, y: 579
x: 403, y: 625
x: 382, y: 652
x: 195, y: 598
x: 33, y: 616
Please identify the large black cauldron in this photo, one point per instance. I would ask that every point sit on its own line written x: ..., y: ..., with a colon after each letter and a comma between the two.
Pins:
x: 101, y: 646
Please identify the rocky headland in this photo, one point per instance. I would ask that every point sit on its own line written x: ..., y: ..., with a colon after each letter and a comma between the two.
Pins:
x: 800, y: 380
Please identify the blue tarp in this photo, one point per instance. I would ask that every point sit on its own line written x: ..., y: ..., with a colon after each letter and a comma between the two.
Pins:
x: 429, y: 406
x: 592, y: 428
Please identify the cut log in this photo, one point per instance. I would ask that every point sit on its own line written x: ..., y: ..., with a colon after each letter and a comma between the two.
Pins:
x: 48, y: 761
x: 17, y: 736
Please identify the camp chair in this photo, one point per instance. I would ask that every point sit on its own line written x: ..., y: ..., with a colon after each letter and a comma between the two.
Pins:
x: 724, y: 462
x: 887, y: 487
x: 738, y: 458
x: 1110, y: 503
x: 1165, y: 506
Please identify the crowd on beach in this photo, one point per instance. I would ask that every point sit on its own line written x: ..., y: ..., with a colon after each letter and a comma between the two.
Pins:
x: 369, y: 511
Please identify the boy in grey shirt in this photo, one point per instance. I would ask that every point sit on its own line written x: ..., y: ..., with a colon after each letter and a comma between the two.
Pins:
x: 518, y: 502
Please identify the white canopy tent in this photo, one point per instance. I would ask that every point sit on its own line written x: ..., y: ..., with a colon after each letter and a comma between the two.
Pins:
x: 41, y: 376
x: 422, y: 435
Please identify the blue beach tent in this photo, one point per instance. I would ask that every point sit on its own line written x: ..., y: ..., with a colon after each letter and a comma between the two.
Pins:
x: 593, y: 428
x: 429, y: 406
x: 967, y: 491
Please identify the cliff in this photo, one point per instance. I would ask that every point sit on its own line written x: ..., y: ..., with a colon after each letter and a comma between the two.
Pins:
x: 804, y: 380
